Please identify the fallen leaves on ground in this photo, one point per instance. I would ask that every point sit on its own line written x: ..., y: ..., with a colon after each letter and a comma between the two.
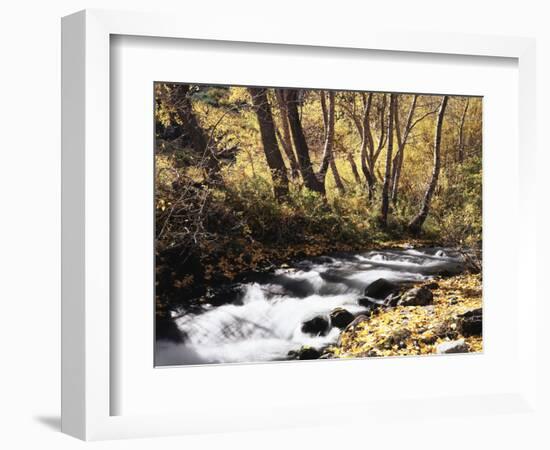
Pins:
x: 415, y: 330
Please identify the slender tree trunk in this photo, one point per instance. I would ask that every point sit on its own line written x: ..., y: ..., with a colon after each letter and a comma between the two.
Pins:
x: 269, y: 141
x: 415, y: 225
x: 461, y: 133
x: 324, y: 110
x: 337, y: 179
x: 286, y: 139
x: 328, y: 123
x: 300, y: 143
x: 401, y: 144
x: 329, y: 139
x: 387, y: 177
x: 354, y: 170
x: 367, y: 145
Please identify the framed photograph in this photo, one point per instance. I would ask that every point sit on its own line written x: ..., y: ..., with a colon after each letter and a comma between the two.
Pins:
x: 251, y: 218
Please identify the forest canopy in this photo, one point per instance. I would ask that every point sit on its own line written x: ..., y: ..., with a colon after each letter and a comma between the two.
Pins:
x: 248, y: 177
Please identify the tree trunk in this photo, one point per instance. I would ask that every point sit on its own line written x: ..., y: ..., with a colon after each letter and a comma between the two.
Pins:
x: 202, y: 145
x: 401, y: 143
x: 354, y: 170
x: 286, y: 139
x: 304, y: 162
x: 415, y: 226
x: 461, y: 133
x: 328, y: 123
x: 387, y: 176
x: 329, y: 139
x: 367, y: 144
x: 324, y: 110
x: 337, y: 179
x: 269, y: 141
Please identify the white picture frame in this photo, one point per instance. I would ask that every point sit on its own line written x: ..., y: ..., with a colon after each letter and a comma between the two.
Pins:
x: 87, y: 354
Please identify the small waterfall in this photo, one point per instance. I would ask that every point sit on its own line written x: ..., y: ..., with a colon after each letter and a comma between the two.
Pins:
x: 267, y: 323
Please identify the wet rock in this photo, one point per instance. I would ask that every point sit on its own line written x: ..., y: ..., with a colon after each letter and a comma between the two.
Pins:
x: 351, y: 327
x: 445, y: 273
x: 318, y: 326
x: 380, y: 289
x: 325, y: 259
x: 392, y: 299
x: 341, y: 318
x: 166, y: 329
x: 458, y: 346
x: 370, y: 303
x: 307, y: 352
x: 223, y: 295
x: 419, y: 296
x: 356, y: 321
x: 327, y: 355
x: 294, y: 286
x: 471, y: 323
x: 433, y: 285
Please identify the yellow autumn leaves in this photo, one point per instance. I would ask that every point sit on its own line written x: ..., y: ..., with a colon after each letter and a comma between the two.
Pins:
x: 415, y: 330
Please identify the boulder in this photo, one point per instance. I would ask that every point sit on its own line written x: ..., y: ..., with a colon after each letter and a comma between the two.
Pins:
x: 380, y: 289
x: 470, y: 323
x: 419, y: 296
x: 318, y: 326
x: 370, y: 303
x: 307, y: 352
x: 392, y: 299
x: 350, y: 328
x: 458, y: 346
x: 340, y: 318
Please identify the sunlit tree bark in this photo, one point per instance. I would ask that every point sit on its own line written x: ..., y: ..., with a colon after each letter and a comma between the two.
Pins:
x: 286, y: 138
x: 402, y: 137
x: 460, y: 156
x: 328, y: 154
x: 369, y: 149
x: 415, y: 225
x: 387, y: 177
x: 354, y: 169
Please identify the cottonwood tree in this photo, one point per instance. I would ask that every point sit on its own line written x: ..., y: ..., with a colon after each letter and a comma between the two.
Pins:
x: 387, y: 177
x: 402, y: 136
x: 415, y: 225
x: 328, y: 152
x: 272, y: 152
x: 460, y: 147
x: 362, y: 118
x: 285, y: 137
x: 300, y: 144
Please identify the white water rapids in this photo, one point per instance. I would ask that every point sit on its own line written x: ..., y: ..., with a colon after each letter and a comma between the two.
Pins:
x: 267, y: 322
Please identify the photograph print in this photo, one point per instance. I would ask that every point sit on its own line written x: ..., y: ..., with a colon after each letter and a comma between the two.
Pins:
x: 304, y: 224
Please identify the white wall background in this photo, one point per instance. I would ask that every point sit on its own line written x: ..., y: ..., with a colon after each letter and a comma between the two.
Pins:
x: 30, y: 197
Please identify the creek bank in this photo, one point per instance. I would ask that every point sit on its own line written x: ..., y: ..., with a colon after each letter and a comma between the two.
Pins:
x: 315, y: 304
x: 452, y: 323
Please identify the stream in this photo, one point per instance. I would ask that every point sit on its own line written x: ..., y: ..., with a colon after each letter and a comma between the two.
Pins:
x: 266, y: 323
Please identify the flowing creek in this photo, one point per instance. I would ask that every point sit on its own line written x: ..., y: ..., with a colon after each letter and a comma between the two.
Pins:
x: 266, y: 323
